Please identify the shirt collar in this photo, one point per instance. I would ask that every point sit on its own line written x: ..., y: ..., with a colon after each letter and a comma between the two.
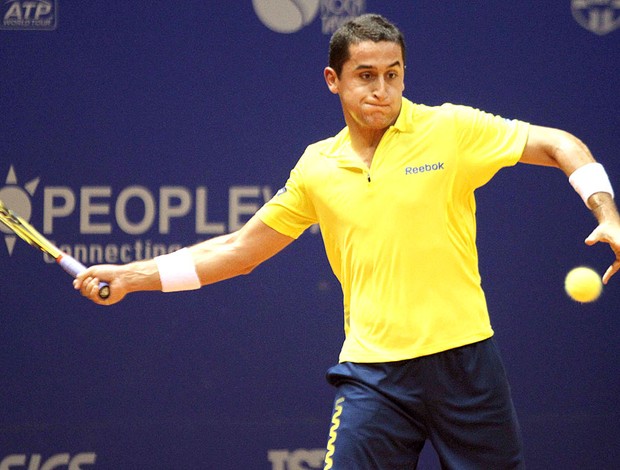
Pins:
x: 341, y: 142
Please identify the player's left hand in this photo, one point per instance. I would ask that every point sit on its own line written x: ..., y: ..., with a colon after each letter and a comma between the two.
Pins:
x: 607, y: 232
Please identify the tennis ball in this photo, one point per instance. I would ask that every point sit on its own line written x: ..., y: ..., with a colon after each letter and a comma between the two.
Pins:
x: 583, y: 284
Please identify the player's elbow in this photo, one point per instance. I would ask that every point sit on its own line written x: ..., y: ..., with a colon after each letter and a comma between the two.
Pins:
x: 555, y: 147
x: 248, y: 269
x: 246, y: 263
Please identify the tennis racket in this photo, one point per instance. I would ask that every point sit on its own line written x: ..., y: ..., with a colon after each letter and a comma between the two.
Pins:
x: 29, y: 234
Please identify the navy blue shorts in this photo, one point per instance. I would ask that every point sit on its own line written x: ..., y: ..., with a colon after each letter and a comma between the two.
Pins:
x: 459, y: 400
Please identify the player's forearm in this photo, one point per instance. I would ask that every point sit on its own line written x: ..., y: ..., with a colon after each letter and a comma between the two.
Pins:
x: 573, y: 157
x: 213, y: 260
x: 223, y: 258
x: 141, y: 276
x: 571, y: 154
x: 219, y: 267
x: 568, y: 152
x: 237, y: 253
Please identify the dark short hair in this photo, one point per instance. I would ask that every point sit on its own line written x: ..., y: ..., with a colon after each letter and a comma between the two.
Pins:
x: 369, y: 27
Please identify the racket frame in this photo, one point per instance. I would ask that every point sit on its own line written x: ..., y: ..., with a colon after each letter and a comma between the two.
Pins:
x: 33, y: 237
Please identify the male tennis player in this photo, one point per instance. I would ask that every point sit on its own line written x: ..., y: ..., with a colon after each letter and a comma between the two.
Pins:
x: 393, y: 193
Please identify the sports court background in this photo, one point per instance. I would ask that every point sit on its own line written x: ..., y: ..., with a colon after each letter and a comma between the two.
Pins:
x: 128, y: 127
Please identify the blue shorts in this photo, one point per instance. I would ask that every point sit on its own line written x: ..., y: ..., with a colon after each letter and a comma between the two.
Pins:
x: 458, y: 399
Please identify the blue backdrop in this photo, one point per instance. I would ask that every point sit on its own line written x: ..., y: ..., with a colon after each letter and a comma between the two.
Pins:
x: 131, y: 128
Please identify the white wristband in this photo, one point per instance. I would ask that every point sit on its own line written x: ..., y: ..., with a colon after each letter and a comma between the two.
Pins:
x: 589, y: 179
x: 177, y: 271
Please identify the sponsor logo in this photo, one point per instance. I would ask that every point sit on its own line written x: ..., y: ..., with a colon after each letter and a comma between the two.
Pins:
x: 598, y: 16
x: 286, y: 16
x: 17, y: 198
x: 29, y: 15
x: 290, y: 16
x: 427, y: 167
x: 299, y: 459
x: 55, y: 462
x: 134, y: 211
x: 336, y: 12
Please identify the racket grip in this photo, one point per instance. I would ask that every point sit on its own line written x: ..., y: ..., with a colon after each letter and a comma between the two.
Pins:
x: 74, y: 267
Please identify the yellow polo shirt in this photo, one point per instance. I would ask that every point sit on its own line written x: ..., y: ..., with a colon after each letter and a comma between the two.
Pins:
x: 400, y: 236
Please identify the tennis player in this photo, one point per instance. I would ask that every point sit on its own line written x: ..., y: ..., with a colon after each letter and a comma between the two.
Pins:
x: 393, y: 193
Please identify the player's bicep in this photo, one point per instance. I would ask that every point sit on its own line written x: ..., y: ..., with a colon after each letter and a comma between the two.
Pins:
x: 554, y: 147
x: 257, y: 241
x: 539, y: 148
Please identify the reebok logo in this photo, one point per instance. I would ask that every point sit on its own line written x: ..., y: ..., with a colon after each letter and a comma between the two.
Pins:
x: 414, y: 170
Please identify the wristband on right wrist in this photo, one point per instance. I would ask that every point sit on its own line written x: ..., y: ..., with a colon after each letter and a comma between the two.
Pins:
x: 177, y: 271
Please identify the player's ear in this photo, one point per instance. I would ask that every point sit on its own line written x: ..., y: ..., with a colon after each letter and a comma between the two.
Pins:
x: 331, y: 78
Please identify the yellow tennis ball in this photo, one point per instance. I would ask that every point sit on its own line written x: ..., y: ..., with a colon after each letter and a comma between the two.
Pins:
x: 583, y: 284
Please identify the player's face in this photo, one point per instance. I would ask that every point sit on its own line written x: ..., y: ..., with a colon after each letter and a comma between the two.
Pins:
x: 370, y: 85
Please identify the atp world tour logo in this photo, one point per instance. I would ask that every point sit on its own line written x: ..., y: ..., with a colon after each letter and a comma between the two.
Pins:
x: 599, y: 16
x: 29, y: 15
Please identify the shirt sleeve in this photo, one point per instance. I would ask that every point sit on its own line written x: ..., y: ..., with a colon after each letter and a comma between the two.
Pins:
x: 290, y: 211
x: 487, y: 142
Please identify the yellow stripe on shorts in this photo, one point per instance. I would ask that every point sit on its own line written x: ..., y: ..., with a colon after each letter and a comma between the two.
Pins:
x: 331, y: 444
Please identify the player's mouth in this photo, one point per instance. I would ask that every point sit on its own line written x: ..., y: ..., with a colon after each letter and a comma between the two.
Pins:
x: 379, y: 106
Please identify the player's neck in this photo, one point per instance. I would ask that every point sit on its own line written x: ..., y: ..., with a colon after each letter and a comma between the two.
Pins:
x: 364, y: 142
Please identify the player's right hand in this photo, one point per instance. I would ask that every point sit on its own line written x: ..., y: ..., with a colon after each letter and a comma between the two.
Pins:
x: 88, y: 283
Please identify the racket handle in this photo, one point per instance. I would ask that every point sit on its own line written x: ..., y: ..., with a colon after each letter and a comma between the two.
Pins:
x: 74, y: 267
